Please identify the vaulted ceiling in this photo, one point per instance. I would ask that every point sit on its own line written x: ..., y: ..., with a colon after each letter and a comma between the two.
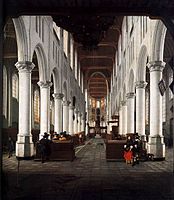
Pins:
x: 95, y: 26
x: 97, y: 62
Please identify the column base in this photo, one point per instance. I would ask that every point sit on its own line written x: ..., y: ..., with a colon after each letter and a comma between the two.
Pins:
x: 156, y: 147
x: 24, y: 147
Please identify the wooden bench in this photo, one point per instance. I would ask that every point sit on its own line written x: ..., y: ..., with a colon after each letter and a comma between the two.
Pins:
x: 115, y: 149
x: 60, y: 150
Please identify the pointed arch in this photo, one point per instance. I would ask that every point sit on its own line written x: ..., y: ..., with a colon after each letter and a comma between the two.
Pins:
x: 56, y: 80
x: 141, y: 64
x: 42, y: 63
x: 100, y: 73
x: 158, y: 41
x: 21, y: 37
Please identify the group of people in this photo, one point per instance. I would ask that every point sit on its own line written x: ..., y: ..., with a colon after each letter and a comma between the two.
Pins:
x: 62, y: 136
x: 44, y: 145
x: 132, y: 149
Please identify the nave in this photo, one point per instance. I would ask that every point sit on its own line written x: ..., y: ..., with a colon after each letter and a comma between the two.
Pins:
x: 89, y: 176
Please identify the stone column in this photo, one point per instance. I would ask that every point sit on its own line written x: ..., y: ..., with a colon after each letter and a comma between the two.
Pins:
x: 24, y: 144
x: 83, y: 123
x: 140, y: 109
x: 44, y: 107
x: 66, y: 116
x: 71, y: 121
x: 76, y: 121
x: 130, y: 112
x: 120, y: 120
x: 79, y: 122
x: 124, y: 117
x: 156, y: 144
x: 58, y: 112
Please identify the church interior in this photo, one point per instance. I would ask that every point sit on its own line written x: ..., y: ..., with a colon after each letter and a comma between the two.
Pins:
x: 87, y: 100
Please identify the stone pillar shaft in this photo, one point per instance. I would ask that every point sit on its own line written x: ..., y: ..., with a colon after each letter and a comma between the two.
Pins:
x: 76, y: 121
x: 58, y: 112
x: 83, y: 122
x: 45, y: 107
x: 120, y: 121
x: 155, y: 100
x: 79, y: 122
x: 24, y: 144
x: 124, y: 118
x: 71, y: 122
x: 130, y: 112
x: 156, y: 144
x: 140, y: 108
x: 66, y: 116
x: 83, y: 125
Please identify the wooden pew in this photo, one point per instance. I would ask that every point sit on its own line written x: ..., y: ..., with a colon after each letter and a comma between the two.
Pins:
x: 115, y: 149
x: 60, y: 150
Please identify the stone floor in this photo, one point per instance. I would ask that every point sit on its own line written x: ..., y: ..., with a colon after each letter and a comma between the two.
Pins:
x: 89, y: 176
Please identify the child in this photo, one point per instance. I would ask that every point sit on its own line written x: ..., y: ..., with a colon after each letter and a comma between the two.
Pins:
x: 128, y: 155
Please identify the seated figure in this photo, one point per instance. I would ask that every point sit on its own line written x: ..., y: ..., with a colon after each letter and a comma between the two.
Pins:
x: 55, y: 136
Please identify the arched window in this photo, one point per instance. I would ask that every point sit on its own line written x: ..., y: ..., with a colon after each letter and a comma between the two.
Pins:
x: 4, y: 92
x: 58, y: 32
x: 147, y: 107
x: 51, y: 112
x: 15, y: 86
x: 76, y: 59
x: 71, y: 53
x: 164, y: 107
x: 65, y: 42
x: 36, y: 106
x: 43, y: 30
x: 79, y: 74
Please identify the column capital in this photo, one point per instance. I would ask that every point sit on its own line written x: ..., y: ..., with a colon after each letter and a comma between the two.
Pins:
x: 140, y: 84
x: 130, y: 95
x: 71, y: 107
x: 46, y: 84
x: 123, y: 103
x: 58, y: 96
x: 66, y: 103
x: 24, y: 66
x: 156, y: 66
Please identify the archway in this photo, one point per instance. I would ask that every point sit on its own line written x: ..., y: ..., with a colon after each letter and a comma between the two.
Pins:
x: 98, y: 99
x: 141, y: 64
x: 10, y: 83
x: 167, y: 98
x: 35, y: 95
